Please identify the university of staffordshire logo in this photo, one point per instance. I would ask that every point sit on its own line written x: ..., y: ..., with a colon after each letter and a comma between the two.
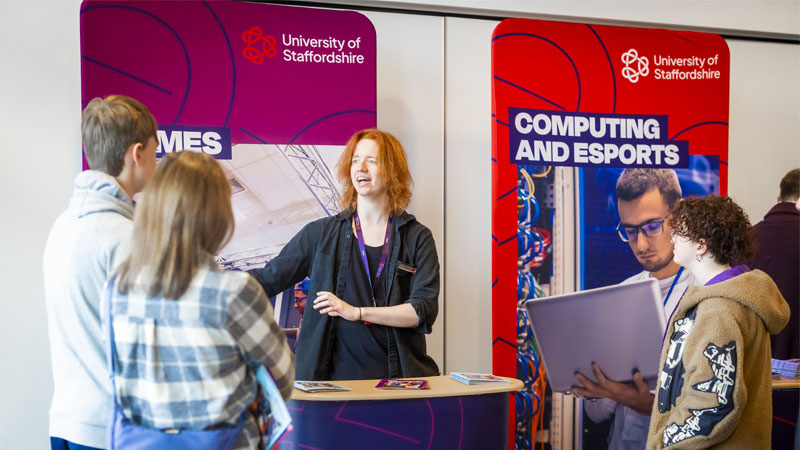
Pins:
x: 642, y: 66
x: 255, y: 36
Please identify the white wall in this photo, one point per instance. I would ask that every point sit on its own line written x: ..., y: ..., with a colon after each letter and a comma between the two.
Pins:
x: 410, y: 107
x: 757, y: 17
x: 433, y: 93
x: 468, y: 199
x: 40, y: 155
x: 764, y: 122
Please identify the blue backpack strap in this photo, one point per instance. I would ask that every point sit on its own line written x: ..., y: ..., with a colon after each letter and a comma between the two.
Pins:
x: 111, y: 352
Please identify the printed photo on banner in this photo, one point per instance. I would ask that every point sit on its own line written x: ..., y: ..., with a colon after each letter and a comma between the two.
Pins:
x: 602, y: 226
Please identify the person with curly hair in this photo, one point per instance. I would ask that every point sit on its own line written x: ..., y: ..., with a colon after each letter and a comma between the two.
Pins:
x: 373, y: 270
x: 715, y: 383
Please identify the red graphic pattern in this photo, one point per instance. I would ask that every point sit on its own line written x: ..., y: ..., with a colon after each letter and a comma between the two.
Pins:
x: 254, y: 36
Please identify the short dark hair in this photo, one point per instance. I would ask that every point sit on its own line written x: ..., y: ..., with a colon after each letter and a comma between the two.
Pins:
x: 633, y: 183
x: 718, y: 222
x: 790, y: 186
x: 109, y: 126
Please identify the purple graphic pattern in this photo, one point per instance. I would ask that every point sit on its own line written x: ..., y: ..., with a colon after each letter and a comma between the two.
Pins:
x: 468, y: 422
x: 188, y: 62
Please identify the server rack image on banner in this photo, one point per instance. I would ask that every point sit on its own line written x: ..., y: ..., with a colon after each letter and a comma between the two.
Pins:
x: 573, y: 106
x: 535, y: 214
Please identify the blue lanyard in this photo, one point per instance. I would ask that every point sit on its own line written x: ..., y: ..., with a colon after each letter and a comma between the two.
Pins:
x: 362, y: 249
x: 674, y: 282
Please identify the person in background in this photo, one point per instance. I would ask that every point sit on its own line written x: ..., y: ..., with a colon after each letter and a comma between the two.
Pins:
x: 300, y: 297
x: 715, y: 383
x: 777, y: 253
x: 374, y: 273
x: 645, y: 198
x: 299, y: 304
x: 86, y: 243
x: 181, y: 322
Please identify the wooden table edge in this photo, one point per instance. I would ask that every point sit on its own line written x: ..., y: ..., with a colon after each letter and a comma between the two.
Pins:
x: 440, y: 386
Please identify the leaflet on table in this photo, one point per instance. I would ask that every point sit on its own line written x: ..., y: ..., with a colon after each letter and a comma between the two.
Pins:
x: 318, y: 386
x: 477, y: 378
x: 789, y: 368
x: 391, y: 383
x: 274, y: 419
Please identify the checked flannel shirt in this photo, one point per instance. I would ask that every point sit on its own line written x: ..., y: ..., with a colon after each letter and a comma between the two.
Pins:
x: 190, y: 363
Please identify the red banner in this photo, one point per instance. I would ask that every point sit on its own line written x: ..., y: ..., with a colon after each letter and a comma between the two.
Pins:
x: 602, y: 98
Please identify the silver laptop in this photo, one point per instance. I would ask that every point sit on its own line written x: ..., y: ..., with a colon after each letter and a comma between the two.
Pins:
x: 620, y: 327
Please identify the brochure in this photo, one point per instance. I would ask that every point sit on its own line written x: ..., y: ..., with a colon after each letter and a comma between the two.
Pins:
x: 273, y: 416
x: 789, y: 368
x: 391, y: 383
x: 318, y: 386
x: 477, y: 378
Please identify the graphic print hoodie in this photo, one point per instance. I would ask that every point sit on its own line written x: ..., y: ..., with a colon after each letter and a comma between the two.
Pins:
x: 715, y: 387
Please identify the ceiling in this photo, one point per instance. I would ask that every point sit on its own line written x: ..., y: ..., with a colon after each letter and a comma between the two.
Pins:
x: 276, y: 202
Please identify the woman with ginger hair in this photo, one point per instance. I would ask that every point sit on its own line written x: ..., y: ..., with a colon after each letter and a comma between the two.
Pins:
x: 715, y: 383
x: 374, y: 273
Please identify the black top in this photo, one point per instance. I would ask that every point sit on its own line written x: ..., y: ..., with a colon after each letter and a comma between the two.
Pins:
x: 361, y: 350
x: 322, y: 250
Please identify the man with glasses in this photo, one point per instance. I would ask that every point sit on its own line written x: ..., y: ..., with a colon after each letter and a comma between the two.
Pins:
x: 645, y: 198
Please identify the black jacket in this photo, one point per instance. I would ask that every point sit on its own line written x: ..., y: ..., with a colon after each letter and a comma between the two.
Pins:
x: 778, y: 254
x: 321, y: 251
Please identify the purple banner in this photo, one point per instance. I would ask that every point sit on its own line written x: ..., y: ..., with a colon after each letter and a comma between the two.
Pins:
x: 270, y: 74
x: 554, y: 138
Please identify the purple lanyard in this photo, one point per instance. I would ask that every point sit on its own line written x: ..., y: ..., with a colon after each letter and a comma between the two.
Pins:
x: 674, y: 282
x: 363, y: 251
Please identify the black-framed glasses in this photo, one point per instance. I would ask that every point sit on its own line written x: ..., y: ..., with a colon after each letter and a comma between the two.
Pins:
x: 650, y: 229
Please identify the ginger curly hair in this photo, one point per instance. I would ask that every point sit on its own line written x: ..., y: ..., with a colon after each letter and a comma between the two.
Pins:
x: 393, y: 168
x: 718, y: 222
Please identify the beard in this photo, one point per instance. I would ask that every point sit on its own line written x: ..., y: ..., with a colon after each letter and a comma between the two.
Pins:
x: 656, y: 265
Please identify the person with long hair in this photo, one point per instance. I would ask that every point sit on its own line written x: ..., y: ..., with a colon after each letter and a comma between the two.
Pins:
x: 374, y: 273
x: 191, y: 336
x: 715, y: 382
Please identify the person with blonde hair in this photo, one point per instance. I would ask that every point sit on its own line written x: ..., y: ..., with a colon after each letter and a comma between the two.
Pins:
x: 86, y: 243
x: 715, y: 385
x: 191, y: 336
x: 374, y: 273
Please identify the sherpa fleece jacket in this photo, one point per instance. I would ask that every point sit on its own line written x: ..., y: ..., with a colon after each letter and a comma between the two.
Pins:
x: 715, y: 385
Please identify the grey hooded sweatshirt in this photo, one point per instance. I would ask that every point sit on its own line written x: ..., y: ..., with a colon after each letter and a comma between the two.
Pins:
x: 87, y: 242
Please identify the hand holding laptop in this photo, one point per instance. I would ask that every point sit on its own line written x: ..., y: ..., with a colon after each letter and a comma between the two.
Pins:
x: 634, y: 395
x: 619, y: 327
